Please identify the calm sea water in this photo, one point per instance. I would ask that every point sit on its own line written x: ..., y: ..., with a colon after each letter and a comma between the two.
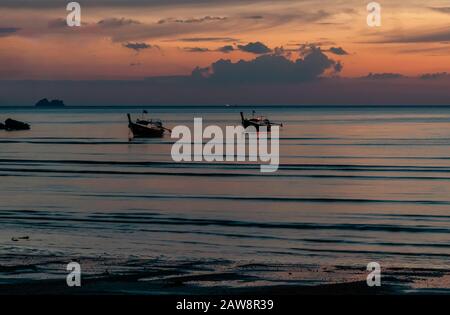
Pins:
x: 354, y: 186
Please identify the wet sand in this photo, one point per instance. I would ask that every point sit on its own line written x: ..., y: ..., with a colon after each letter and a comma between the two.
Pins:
x: 157, y: 277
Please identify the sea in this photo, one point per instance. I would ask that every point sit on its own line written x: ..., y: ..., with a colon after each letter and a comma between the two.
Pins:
x: 355, y: 185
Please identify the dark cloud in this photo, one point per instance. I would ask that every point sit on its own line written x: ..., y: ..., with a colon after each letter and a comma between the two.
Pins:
x: 226, y: 49
x: 305, y: 49
x: 428, y: 51
x: 350, y: 11
x: 204, y: 39
x: 433, y: 36
x: 338, y: 51
x: 329, y: 23
x: 117, y: 22
x: 269, y: 69
x: 314, y: 16
x: 275, y: 18
x: 57, y: 23
x: 196, y: 49
x: 61, y: 23
x: 338, y: 66
x: 193, y: 20
x: 255, y: 17
x: 383, y: 76
x: 122, y: 29
x: 44, y: 4
x: 7, y: 31
x: 281, y: 51
x: 321, y: 42
x: 257, y: 48
x: 137, y: 46
x: 130, y: 30
x: 441, y: 9
x: 435, y: 76
x: 170, y: 32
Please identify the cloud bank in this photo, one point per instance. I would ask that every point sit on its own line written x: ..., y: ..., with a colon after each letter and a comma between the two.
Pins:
x: 7, y: 31
x: 255, y: 48
x: 269, y: 68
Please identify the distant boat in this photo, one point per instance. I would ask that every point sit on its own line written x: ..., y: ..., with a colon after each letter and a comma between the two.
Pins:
x: 143, y: 128
x: 46, y: 103
x: 14, y: 125
x: 258, y: 122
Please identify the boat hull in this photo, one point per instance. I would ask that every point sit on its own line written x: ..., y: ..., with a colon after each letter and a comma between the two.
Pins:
x: 140, y: 131
x: 145, y: 130
x: 246, y: 123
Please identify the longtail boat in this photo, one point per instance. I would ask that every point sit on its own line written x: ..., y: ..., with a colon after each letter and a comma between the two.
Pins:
x: 257, y: 122
x: 146, y: 128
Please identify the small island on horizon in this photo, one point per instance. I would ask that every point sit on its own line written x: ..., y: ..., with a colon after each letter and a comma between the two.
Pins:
x: 46, y: 103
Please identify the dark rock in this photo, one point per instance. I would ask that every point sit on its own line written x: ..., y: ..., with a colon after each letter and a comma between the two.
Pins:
x: 2, y: 126
x: 43, y: 102
x: 11, y: 124
x: 46, y: 103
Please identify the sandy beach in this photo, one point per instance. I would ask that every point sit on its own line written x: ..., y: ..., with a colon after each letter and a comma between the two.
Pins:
x: 156, y: 277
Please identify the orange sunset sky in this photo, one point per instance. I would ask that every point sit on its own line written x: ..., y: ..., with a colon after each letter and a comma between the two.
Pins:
x: 179, y: 35
x: 225, y: 51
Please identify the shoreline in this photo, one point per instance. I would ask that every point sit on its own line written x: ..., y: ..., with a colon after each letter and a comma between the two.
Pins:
x: 125, y: 287
x: 154, y: 277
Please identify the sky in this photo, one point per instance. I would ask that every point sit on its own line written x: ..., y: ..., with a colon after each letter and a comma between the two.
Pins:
x: 219, y: 51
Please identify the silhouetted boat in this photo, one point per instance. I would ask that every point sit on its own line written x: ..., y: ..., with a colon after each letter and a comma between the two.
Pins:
x: 146, y: 128
x: 14, y: 125
x: 258, y: 122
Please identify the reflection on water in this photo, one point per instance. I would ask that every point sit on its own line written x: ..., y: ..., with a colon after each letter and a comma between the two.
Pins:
x: 354, y: 186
